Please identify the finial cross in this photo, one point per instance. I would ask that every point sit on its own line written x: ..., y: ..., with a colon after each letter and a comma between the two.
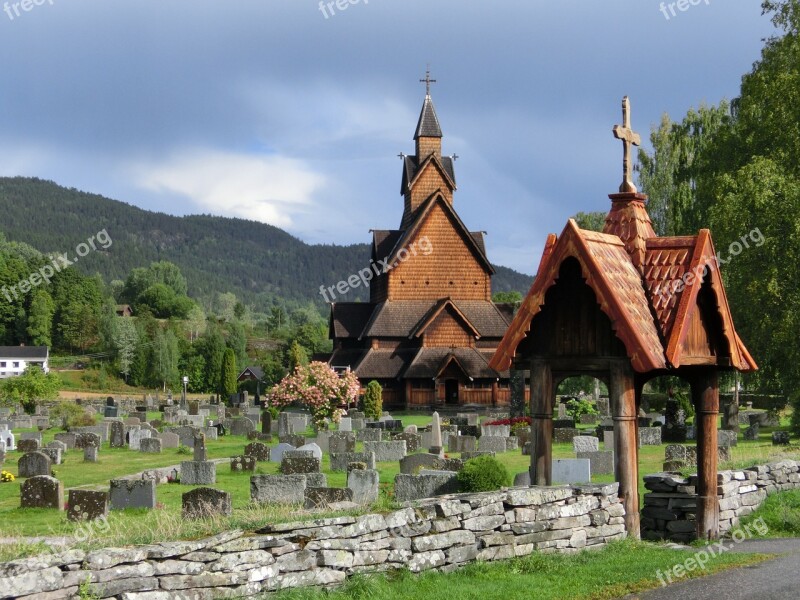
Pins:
x: 427, y: 81
x: 629, y: 137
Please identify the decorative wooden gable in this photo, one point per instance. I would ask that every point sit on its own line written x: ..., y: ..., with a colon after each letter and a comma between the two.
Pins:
x: 447, y: 327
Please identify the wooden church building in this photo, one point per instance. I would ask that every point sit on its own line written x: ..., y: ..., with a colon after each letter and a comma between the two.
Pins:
x: 430, y: 327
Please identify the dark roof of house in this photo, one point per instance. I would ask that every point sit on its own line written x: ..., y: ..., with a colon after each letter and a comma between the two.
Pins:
x: 430, y: 362
x: 384, y: 363
x: 24, y: 352
x: 346, y: 357
x: 383, y: 242
x: 428, y: 124
x: 257, y: 372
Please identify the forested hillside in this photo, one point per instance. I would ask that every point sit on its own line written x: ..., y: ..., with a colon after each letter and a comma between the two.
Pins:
x: 261, y: 264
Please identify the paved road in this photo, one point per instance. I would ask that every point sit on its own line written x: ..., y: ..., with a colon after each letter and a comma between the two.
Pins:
x: 774, y: 579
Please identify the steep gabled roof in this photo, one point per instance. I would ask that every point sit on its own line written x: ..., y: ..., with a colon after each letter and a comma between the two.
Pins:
x: 438, y: 308
x: 609, y: 271
x: 419, y: 218
x: 24, y: 352
x: 428, y: 124
x: 412, y: 168
x: 429, y: 363
x: 348, y: 319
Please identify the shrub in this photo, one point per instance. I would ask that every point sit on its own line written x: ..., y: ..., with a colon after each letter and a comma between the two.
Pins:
x: 184, y: 449
x: 70, y: 414
x: 483, y: 474
x: 576, y: 408
x: 372, y: 401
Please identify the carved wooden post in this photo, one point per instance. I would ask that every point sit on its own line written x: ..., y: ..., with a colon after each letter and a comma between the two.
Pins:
x: 622, y: 396
x: 542, y: 423
x: 705, y: 395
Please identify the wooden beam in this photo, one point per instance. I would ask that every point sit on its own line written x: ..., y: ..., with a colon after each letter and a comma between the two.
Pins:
x: 705, y: 395
x: 542, y: 398
x: 622, y: 397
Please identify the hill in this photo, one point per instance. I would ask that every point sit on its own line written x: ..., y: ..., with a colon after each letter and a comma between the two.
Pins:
x: 261, y: 264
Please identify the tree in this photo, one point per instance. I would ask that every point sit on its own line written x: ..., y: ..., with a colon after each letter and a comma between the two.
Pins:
x: 211, y: 346
x: 228, y: 374
x: 125, y: 340
x: 296, y: 356
x: 591, y: 221
x: 373, y: 401
x: 164, y: 365
x: 196, y: 322
x: 26, y: 389
x: 40, y: 319
x: 318, y: 387
x: 507, y: 297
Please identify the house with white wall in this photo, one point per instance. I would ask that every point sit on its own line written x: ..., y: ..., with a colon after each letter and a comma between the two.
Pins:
x: 15, y: 359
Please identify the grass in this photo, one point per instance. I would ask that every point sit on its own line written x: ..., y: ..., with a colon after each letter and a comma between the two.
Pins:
x: 621, y: 568
x: 165, y: 523
x: 781, y: 513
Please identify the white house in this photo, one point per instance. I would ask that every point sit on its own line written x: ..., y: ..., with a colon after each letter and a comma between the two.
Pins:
x: 15, y: 359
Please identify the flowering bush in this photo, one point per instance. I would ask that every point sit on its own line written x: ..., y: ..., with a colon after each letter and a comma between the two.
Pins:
x: 512, y: 422
x: 320, y: 388
x: 6, y: 477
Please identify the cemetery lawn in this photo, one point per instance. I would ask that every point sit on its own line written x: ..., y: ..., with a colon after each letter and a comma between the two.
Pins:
x: 165, y: 523
x: 622, y: 568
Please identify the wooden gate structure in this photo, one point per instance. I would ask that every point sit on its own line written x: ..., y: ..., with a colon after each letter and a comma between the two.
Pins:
x: 626, y: 306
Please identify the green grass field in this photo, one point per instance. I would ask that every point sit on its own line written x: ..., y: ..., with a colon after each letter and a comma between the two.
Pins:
x: 165, y: 523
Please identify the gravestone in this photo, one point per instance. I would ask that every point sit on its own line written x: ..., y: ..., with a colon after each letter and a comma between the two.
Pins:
x: 412, y: 440
x: 117, y: 436
x: 258, y: 451
x: 340, y: 460
x: 55, y: 444
x: 150, y: 446
x: 608, y: 440
x: 323, y: 497
x: 295, y: 466
x: 276, y: 452
x: 649, y: 436
x: 90, y: 454
x: 294, y: 439
x: 751, y: 433
x: 345, y: 424
x: 198, y: 472
x: 780, y: 438
x: 202, y: 503
x: 583, y: 443
x: 565, y: 435
x: 34, y: 464
x: 241, y: 426
x: 589, y: 419
x: 436, y: 444
x: 132, y: 493
x: 365, y: 485
x: 492, y: 443
x: 8, y: 438
x: 726, y: 438
x: 368, y: 435
x: 562, y: 411
x: 414, y: 463
x: 199, y: 443
x: 341, y: 442
x: 135, y: 437
x: 495, y: 430
x: 42, y: 491
x: 563, y: 423
x: 169, y: 440
x: 131, y: 421
x: 85, y: 440
x: 278, y: 489
x: 243, y: 464
x: 283, y: 424
x: 386, y: 451
x: 462, y: 443
x: 26, y: 446
x: 322, y: 440
x: 603, y: 407
x: 31, y: 435
x: 87, y: 505
x: 53, y: 453
x: 315, y: 450
x: 571, y: 470
x: 425, y: 485
x: 359, y: 424
x: 600, y: 463
x: 411, y: 429
x: 211, y: 433
x: 266, y: 422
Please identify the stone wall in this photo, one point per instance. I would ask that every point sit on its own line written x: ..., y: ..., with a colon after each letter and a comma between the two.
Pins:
x: 670, y: 505
x: 439, y: 533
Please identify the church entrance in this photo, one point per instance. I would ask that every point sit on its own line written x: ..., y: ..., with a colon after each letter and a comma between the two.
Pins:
x: 451, y: 391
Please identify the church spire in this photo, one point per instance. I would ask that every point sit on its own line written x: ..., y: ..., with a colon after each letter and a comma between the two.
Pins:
x: 428, y: 136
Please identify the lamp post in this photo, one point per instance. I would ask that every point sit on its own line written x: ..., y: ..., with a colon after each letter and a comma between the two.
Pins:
x: 185, y: 380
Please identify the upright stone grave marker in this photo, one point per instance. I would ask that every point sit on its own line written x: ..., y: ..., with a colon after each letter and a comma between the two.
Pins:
x: 34, y: 464
x: 571, y: 470
x: 42, y: 491
x: 132, y: 493
x: 86, y: 505
x: 202, y: 503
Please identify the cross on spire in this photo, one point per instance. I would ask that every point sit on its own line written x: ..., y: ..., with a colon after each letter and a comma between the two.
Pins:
x: 427, y: 81
x: 629, y: 137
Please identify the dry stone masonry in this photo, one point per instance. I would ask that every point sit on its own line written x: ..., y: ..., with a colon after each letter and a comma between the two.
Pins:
x: 441, y: 534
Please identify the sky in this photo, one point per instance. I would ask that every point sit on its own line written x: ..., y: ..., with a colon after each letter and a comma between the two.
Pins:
x: 293, y: 112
